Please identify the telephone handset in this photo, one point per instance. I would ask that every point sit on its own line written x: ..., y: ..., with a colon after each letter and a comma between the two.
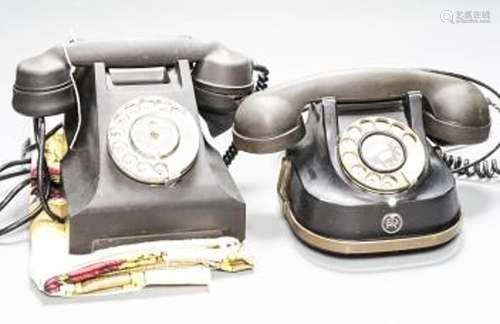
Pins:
x: 360, y: 176
x: 220, y: 76
x: 139, y: 168
x: 455, y: 111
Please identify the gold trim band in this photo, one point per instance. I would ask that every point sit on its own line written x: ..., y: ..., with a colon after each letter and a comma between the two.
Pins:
x: 353, y: 246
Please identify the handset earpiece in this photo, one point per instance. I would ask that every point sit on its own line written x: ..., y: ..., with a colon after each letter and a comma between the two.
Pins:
x: 43, y: 86
x: 223, y: 73
x: 221, y: 79
x: 456, y: 111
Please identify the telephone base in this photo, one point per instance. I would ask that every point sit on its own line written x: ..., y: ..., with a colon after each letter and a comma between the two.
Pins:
x: 355, y: 247
x: 149, y: 175
x: 362, y: 246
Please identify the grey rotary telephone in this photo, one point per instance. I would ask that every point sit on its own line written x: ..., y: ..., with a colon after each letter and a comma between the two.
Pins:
x: 139, y: 167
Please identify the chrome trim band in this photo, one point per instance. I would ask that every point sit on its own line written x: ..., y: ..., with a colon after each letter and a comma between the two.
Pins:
x: 353, y: 246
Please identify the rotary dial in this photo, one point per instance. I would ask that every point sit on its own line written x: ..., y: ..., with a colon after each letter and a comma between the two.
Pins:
x: 153, y: 139
x: 381, y: 154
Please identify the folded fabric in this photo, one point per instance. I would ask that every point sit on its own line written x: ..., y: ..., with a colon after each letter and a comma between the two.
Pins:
x: 123, y: 268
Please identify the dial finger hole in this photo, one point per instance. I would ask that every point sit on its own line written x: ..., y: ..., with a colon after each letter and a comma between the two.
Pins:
x: 398, y: 129
x: 161, y: 169
x: 349, y: 158
x: 129, y: 160
x: 144, y: 167
x: 147, y: 105
x: 354, y: 132
x: 389, y: 182
x: 121, y: 119
x: 348, y: 144
x: 358, y: 171
x: 409, y: 138
x: 382, y: 124
x: 373, y: 180
x: 118, y: 148
x: 116, y: 133
x: 367, y: 125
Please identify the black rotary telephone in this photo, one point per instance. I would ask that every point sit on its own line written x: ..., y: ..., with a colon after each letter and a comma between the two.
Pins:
x: 361, y: 175
x: 139, y: 167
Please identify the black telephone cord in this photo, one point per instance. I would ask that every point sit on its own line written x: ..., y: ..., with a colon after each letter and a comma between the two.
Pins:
x: 262, y: 77
x: 22, y: 221
x: 27, y: 147
x: 13, y: 193
x: 13, y: 174
x: 14, y: 163
x: 43, y: 186
x: 463, y: 167
x: 261, y: 84
x: 22, y: 162
x: 8, y: 198
x: 230, y: 154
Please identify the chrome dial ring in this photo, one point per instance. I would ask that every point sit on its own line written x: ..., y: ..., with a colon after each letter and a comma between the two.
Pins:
x: 153, y: 139
x: 381, y: 154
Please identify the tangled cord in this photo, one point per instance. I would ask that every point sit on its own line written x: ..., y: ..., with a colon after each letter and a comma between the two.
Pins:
x: 20, y: 222
x: 26, y: 149
x: 482, y: 168
x: 14, y: 174
x: 14, y: 163
x: 463, y: 167
x: 261, y: 84
x: 13, y: 193
x: 262, y: 78
x: 43, y: 186
x: 230, y: 154
x: 25, y: 219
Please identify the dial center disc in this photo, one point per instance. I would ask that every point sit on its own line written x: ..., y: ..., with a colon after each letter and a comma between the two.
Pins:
x: 382, y: 152
x: 154, y: 136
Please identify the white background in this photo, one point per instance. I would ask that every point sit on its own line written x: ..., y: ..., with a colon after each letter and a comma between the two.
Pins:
x: 457, y: 283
